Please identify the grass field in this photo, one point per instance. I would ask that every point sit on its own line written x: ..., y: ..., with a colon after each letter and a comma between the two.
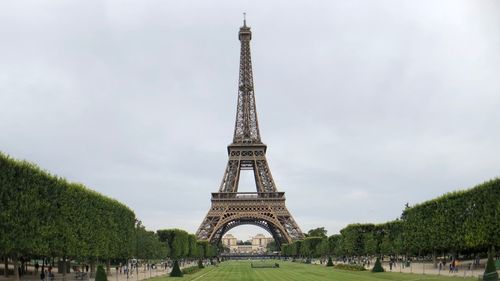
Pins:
x: 241, y: 270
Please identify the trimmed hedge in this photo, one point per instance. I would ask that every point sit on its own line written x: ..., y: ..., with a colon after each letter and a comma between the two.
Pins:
x: 176, y: 270
x: 378, y: 266
x: 469, y: 219
x: 191, y: 269
x: 351, y: 267
x: 100, y: 274
x: 490, y: 273
x: 45, y: 215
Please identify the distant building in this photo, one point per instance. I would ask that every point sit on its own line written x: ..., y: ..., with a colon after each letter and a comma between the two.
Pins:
x: 258, y: 244
x: 229, y: 240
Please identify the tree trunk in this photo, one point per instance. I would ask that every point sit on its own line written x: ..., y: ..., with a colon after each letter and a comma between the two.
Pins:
x: 434, y: 259
x: 92, y: 267
x: 6, y: 267
x: 64, y: 267
x: 16, y: 268
x: 108, y: 267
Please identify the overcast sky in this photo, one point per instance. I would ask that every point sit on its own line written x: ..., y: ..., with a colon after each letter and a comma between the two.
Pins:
x: 364, y: 105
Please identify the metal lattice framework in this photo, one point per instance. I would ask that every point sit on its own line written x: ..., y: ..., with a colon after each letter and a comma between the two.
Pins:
x: 266, y: 207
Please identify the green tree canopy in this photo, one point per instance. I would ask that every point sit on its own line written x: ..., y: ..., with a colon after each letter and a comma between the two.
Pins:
x: 317, y: 232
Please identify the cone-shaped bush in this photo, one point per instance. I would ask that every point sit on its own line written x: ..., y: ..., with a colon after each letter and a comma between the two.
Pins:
x: 378, y: 266
x: 330, y: 262
x: 176, y: 271
x: 490, y: 273
x: 200, y: 264
x: 100, y: 274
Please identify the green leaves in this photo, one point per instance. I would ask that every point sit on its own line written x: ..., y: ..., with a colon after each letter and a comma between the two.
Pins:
x: 460, y: 220
x: 45, y: 215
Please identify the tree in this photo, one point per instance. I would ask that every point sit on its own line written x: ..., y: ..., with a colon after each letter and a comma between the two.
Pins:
x: 193, y: 247
x: 370, y: 243
x: 178, y: 244
x: 309, y: 247
x: 317, y: 232
x: 353, y: 238
x: 386, y: 246
x: 271, y: 246
x: 323, y: 248
x: 45, y: 215
x: 202, y: 251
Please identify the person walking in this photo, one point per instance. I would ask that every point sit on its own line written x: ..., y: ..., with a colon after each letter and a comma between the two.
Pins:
x: 42, y: 275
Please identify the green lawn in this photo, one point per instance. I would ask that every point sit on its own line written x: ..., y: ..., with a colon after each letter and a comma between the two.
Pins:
x: 241, y: 270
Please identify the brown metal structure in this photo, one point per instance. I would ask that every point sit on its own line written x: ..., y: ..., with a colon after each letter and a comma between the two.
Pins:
x: 266, y: 207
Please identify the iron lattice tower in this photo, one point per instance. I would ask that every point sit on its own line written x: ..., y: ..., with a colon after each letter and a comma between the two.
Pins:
x: 266, y: 207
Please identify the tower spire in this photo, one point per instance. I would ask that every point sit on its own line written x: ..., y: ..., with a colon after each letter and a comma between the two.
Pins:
x: 246, y: 129
x: 244, y: 19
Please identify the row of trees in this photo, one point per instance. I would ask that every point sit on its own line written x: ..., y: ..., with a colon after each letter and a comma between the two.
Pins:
x: 42, y: 215
x: 184, y: 245
x: 465, y: 221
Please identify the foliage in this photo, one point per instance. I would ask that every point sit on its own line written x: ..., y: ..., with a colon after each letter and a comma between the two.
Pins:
x: 191, y: 269
x: 45, y: 215
x: 271, y: 246
x: 378, y: 266
x: 309, y: 247
x: 330, y: 261
x: 490, y: 273
x: 468, y: 219
x: 176, y: 270
x: 177, y: 241
x: 351, y: 267
x: 335, y: 245
x: 370, y: 244
x: 194, y: 251
x: 100, y: 274
x: 200, y: 264
x: 353, y: 237
x: 317, y: 232
x: 148, y: 246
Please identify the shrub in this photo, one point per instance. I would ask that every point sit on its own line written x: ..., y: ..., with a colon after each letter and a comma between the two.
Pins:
x: 490, y: 273
x: 200, y: 264
x: 191, y: 269
x: 351, y: 267
x: 378, y: 266
x: 100, y: 274
x: 176, y: 271
x: 330, y: 262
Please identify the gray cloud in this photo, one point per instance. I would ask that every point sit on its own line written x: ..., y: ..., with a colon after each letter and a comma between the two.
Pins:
x: 365, y: 105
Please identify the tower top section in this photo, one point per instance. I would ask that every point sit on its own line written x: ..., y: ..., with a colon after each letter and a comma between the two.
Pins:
x: 246, y: 129
x: 245, y: 33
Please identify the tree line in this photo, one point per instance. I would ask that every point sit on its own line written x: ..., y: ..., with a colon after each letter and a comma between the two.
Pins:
x: 43, y: 215
x: 458, y: 222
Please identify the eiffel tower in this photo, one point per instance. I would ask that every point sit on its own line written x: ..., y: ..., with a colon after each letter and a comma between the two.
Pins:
x: 266, y: 207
